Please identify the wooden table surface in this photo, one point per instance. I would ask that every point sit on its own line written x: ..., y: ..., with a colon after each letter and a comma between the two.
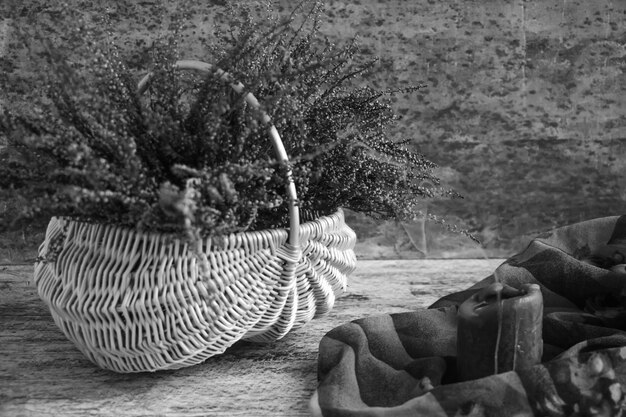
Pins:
x: 43, y: 374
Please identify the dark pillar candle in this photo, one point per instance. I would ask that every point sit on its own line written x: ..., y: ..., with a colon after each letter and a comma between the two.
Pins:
x: 499, y: 333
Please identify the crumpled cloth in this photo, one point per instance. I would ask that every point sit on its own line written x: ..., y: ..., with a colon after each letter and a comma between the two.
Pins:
x: 405, y: 364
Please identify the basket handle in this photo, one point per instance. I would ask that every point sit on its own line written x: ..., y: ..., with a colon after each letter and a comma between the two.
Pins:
x: 277, y: 143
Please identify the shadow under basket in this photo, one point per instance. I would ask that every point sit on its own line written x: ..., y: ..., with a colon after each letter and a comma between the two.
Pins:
x: 133, y: 301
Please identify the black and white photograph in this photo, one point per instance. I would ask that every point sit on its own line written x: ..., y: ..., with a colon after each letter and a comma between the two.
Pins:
x: 320, y: 208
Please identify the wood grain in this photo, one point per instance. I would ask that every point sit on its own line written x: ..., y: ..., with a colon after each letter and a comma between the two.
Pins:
x: 43, y: 374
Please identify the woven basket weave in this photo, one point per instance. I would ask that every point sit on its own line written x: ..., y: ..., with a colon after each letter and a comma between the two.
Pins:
x: 133, y: 301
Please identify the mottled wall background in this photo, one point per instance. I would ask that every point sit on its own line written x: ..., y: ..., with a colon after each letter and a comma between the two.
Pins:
x: 524, y: 110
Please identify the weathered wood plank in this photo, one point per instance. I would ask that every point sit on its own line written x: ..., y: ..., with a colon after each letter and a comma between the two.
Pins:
x: 42, y: 373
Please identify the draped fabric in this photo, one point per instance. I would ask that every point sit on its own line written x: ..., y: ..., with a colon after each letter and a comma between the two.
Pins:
x: 405, y: 364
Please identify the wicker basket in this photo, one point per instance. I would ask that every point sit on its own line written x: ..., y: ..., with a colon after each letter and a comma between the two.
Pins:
x: 133, y: 301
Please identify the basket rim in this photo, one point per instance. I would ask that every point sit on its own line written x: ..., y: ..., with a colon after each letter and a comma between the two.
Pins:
x: 339, y: 212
